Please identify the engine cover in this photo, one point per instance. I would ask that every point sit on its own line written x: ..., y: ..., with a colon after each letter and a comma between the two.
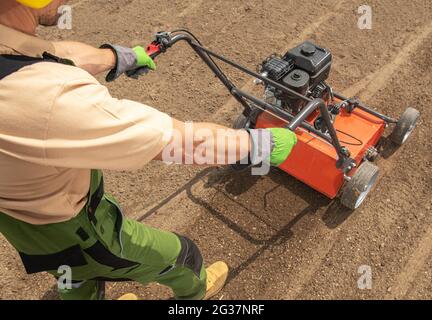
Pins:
x: 302, y: 69
x: 316, y: 61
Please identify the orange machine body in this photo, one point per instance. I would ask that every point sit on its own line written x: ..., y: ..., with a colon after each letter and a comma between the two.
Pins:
x: 313, y: 160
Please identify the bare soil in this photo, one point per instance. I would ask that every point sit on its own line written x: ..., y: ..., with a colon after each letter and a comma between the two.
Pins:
x: 281, y: 239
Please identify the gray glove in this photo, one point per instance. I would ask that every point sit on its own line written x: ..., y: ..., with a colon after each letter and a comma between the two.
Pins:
x: 133, y: 62
x: 269, y: 146
x: 262, y: 145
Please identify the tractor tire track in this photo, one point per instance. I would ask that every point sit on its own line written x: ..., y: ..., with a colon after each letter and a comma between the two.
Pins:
x: 415, y: 264
x: 374, y: 82
x: 192, y: 6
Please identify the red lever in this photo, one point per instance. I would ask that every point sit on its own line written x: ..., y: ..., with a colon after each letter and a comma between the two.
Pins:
x: 153, y: 49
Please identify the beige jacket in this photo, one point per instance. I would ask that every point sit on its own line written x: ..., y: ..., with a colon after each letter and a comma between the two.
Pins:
x: 56, y: 123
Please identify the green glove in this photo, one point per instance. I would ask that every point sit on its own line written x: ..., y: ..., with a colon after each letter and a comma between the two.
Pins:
x: 143, y: 59
x: 274, y: 144
x: 133, y: 62
x: 284, y: 141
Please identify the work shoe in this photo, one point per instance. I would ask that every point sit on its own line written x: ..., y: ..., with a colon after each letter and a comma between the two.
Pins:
x: 217, y: 274
x: 128, y: 296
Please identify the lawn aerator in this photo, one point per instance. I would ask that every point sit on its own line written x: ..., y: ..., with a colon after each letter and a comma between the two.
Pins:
x: 337, y: 135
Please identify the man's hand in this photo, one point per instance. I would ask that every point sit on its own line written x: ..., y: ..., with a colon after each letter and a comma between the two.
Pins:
x: 133, y: 62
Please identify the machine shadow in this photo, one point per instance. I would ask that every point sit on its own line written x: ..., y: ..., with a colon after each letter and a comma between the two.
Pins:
x: 237, y: 183
x: 336, y: 214
x: 199, y: 176
x: 387, y: 148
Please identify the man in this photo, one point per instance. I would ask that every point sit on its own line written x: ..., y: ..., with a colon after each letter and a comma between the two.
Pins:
x: 57, y: 123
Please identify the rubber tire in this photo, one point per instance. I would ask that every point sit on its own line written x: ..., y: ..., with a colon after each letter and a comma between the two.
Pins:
x: 405, y: 126
x: 362, y: 181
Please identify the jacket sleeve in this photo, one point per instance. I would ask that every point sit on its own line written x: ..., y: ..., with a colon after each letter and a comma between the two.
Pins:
x: 87, y: 128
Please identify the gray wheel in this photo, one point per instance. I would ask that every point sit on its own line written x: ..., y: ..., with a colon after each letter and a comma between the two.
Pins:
x: 405, y: 126
x: 356, y: 190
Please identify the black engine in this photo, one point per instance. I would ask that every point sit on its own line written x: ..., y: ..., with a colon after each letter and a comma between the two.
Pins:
x: 303, y: 69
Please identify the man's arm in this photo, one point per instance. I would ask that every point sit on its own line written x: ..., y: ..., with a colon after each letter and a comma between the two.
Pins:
x: 197, y: 143
x: 205, y: 144
x: 91, y: 59
x: 213, y: 144
x: 117, y: 60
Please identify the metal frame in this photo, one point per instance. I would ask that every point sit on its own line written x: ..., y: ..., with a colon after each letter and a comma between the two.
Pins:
x: 165, y: 40
x: 364, y: 107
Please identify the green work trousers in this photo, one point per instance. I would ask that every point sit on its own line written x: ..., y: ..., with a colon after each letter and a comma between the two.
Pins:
x: 100, y: 244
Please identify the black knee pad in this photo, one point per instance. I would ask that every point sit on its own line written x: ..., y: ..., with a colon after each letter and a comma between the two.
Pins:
x: 190, y: 255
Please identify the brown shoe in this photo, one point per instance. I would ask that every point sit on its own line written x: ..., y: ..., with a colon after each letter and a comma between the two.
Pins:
x: 217, y: 275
